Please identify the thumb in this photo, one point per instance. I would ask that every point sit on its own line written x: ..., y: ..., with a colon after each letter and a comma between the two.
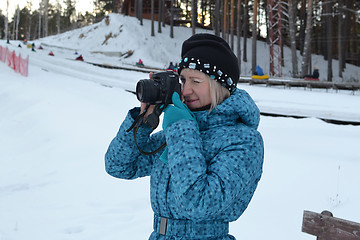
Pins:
x: 175, y: 98
x: 177, y: 101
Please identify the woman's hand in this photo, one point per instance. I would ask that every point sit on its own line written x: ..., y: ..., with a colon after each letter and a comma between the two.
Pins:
x: 176, y: 112
x: 143, y: 105
x: 149, y: 111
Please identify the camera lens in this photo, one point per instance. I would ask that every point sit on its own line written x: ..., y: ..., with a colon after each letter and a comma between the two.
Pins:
x: 147, y: 91
x: 139, y: 91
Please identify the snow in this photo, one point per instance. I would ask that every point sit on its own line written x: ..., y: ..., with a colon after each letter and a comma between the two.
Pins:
x: 56, y: 125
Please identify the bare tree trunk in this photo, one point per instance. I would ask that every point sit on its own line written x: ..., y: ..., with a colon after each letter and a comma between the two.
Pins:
x: 46, y: 18
x: 117, y: 6
x: 28, y: 27
x: 245, y: 29
x: 238, y: 33
x: 6, y: 22
x: 28, y: 33
x: 40, y: 12
x: 302, y: 26
x: 254, y: 37
x: 307, y: 44
x: 217, y: 18
x: 355, y: 32
x: 225, y: 32
x: 281, y: 41
x: 203, y: 10
x: 354, y: 37
x: 322, y: 30
x: 221, y: 19
x: 292, y: 32
x: 232, y: 23
x: 136, y: 9
x: 17, y: 22
x: 152, y: 19
x: 187, y: 14
x: 193, y: 16
x: 58, y: 16
x: 159, y: 15
x: 13, y: 30
x: 141, y: 12
x: 340, y: 52
x: 172, y: 19
x: 346, y: 43
x: 329, y: 36
x: 163, y: 13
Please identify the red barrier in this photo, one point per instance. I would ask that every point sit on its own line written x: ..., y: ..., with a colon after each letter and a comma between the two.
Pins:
x: 11, y: 59
x: 24, y: 66
x: 17, y: 63
x: 3, y: 53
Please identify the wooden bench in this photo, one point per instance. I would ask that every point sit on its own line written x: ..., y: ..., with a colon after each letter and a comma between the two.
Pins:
x: 327, y: 227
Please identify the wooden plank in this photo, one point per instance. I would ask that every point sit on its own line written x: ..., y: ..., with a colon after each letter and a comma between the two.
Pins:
x: 301, y: 83
x: 258, y: 81
x: 297, y: 84
x: 347, y: 86
x: 330, y: 228
x: 275, y: 83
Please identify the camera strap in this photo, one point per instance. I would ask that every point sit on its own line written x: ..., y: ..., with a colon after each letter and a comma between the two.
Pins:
x: 152, y: 120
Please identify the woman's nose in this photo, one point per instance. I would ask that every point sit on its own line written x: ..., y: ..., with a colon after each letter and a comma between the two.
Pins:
x: 186, y: 90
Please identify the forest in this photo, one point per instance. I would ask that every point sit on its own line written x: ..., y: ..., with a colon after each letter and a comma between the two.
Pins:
x: 325, y: 27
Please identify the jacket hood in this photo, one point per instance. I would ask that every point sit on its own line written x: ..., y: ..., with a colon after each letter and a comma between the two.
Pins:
x: 239, y: 107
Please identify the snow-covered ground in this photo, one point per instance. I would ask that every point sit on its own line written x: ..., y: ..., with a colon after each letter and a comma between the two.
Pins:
x: 56, y: 124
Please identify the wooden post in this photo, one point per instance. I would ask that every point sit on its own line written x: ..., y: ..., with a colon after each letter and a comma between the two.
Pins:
x: 327, y: 227
x: 325, y: 213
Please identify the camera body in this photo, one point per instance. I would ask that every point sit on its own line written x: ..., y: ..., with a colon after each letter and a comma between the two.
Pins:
x: 159, y: 89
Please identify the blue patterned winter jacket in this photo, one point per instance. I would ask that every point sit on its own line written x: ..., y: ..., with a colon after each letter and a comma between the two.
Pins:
x: 213, y: 168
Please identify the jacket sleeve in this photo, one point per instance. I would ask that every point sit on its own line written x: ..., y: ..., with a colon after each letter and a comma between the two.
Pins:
x: 123, y: 159
x: 206, y: 187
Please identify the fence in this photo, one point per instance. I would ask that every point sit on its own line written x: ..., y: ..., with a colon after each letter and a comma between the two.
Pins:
x: 327, y: 227
x: 17, y: 63
x: 301, y: 83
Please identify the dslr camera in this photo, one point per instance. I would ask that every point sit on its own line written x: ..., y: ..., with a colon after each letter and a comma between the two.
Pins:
x: 159, y: 89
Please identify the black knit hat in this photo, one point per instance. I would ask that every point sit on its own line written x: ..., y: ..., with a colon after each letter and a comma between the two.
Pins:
x: 213, y: 56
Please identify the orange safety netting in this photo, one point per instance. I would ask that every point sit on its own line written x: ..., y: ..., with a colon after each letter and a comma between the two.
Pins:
x: 17, y: 63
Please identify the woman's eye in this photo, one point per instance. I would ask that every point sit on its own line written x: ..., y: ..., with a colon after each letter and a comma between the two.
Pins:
x: 182, y: 80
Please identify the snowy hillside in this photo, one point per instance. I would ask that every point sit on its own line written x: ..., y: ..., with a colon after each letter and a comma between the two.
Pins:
x: 125, y: 33
x: 56, y: 125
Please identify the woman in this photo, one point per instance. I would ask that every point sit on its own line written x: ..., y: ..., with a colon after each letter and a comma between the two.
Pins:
x: 208, y: 174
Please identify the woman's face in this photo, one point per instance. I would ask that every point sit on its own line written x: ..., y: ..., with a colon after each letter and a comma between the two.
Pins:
x: 195, y: 88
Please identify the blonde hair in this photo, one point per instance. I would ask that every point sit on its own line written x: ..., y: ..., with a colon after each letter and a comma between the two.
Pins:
x: 217, y: 92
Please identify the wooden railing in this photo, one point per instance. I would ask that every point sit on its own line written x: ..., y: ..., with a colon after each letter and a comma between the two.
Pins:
x: 301, y: 83
x: 326, y: 227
